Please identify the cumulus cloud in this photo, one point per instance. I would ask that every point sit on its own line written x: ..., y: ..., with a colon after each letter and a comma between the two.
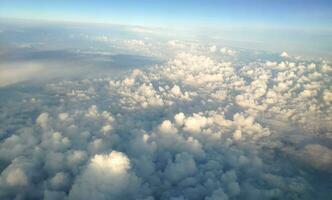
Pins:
x: 106, y: 177
x: 183, y: 166
x: 167, y: 127
x: 316, y: 156
x: 199, y: 126
x: 195, y: 123
x: 15, y: 177
x: 42, y: 120
x: 284, y: 54
x: 227, y: 51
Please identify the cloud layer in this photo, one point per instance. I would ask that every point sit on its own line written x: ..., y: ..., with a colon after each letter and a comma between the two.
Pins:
x: 204, y: 125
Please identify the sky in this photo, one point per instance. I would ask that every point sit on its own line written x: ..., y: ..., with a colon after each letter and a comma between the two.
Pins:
x: 302, y: 27
x: 304, y: 14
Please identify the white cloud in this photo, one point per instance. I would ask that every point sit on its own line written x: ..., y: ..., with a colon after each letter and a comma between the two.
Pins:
x: 327, y: 96
x: 179, y: 119
x: 237, y: 135
x: 195, y: 123
x: 167, y: 127
x: 213, y: 48
x: 106, y: 177
x: 115, y: 162
x: 176, y: 90
x: 42, y: 120
x: 63, y: 116
x: 16, y: 177
x: 228, y: 52
x: 195, y: 127
x: 284, y: 54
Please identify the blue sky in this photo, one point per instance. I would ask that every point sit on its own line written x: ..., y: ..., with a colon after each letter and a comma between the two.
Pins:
x: 298, y: 26
x: 262, y: 13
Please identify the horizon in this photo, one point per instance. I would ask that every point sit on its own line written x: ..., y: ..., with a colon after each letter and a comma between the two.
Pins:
x: 290, y: 40
x: 286, y: 13
x: 302, y: 27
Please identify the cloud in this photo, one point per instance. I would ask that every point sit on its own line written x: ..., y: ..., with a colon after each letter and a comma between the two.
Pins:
x: 195, y: 123
x: 18, y: 72
x: 284, y: 54
x: 237, y: 135
x: 16, y: 177
x: 203, y: 125
x: 227, y: 51
x: 316, y: 156
x: 213, y: 48
x: 179, y: 119
x: 167, y: 127
x: 176, y: 90
x: 182, y: 167
x: 42, y: 120
x: 106, y: 177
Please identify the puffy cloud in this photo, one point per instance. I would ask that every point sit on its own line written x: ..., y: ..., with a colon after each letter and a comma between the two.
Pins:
x: 326, y: 68
x: 106, y: 128
x: 175, y: 44
x: 63, y: 116
x: 42, y: 120
x: 59, y: 181
x: 115, y: 162
x: 106, y: 177
x: 271, y: 64
x: 237, y: 135
x: 228, y: 52
x: 203, y: 125
x: 176, y: 90
x: 327, y: 96
x: 316, y: 156
x: 183, y: 166
x: 16, y: 177
x: 179, y: 119
x: 284, y: 54
x: 213, y: 48
x: 135, y: 42
x: 195, y: 123
x: 167, y: 127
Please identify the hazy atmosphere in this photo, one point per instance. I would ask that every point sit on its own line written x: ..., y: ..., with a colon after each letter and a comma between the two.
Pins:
x: 179, y: 100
